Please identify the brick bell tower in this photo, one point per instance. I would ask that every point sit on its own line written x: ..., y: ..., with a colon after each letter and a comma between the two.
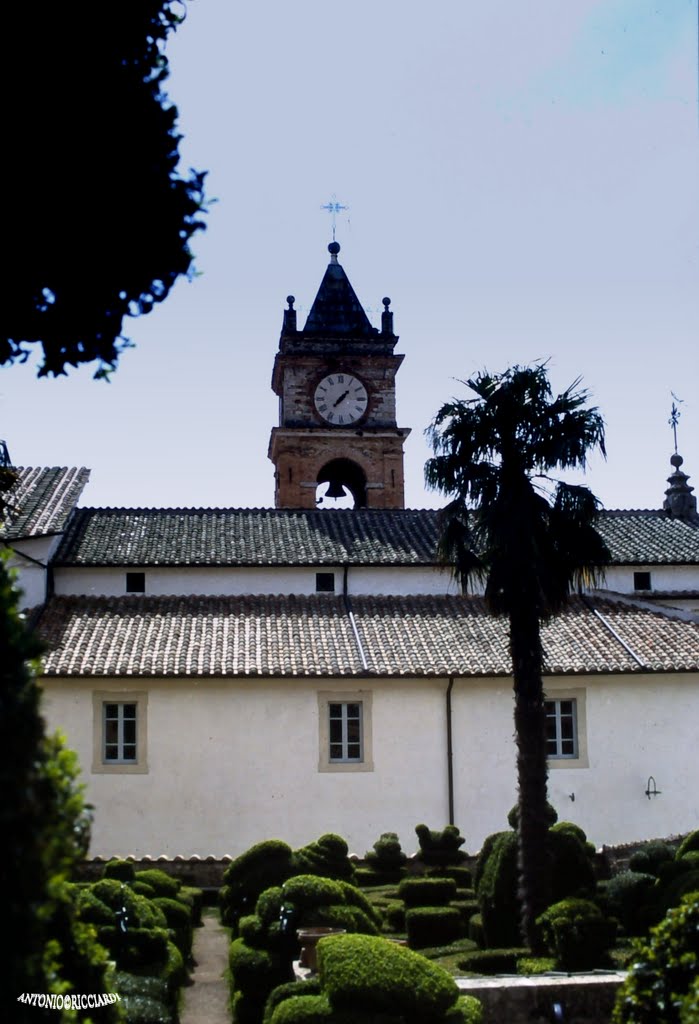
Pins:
x: 336, y: 382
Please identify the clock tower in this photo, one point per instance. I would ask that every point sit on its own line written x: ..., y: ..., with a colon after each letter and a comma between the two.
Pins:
x: 336, y: 382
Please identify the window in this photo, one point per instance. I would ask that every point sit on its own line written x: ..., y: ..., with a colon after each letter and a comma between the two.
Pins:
x: 641, y: 581
x: 566, y: 738
x: 345, y: 731
x: 561, y: 728
x: 135, y: 583
x: 119, y: 732
x: 325, y: 583
x: 345, y: 720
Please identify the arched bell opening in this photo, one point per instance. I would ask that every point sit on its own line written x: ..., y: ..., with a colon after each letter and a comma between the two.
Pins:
x: 346, y: 485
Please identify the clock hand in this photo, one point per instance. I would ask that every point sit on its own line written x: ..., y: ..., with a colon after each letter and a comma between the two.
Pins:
x: 342, y: 397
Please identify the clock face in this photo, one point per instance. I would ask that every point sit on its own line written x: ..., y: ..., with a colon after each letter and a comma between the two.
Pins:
x: 340, y: 399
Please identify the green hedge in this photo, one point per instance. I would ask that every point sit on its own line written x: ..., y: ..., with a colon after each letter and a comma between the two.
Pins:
x: 263, y: 866
x: 179, y: 920
x: 462, y: 876
x: 577, y: 934
x: 362, y: 973
x: 307, y: 987
x: 433, y: 926
x: 123, y: 870
x: 427, y: 892
x: 626, y: 896
x: 327, y: 856
x: 163, y: 883
x: 663, y: 971
x: 440, y: 847
x: 689, y: 843
x: 493, y: 961
x: 387, y: 855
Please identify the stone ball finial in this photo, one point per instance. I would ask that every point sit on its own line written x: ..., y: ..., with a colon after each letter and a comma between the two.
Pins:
x: 676, y: 460
x: 386, y: 301
x: 334, y: 248
x: 291, y: 299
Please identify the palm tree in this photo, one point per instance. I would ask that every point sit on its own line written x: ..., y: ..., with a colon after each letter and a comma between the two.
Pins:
x: 529, y: 540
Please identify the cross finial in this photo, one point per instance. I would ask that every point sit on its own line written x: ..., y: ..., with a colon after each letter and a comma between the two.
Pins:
x: 675, y: 416
x: 333, y: 208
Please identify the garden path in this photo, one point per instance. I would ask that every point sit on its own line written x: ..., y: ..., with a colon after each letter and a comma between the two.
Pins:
x: 206, y: 999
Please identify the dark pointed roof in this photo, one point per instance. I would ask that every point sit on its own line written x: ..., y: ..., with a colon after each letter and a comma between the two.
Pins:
x: 336, y: 309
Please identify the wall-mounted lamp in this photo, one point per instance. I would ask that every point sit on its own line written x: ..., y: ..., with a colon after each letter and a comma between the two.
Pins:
x: 572, y: 796
x: 651, y: 788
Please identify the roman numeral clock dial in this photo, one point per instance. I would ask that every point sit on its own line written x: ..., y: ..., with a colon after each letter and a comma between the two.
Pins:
x: 340, y: 399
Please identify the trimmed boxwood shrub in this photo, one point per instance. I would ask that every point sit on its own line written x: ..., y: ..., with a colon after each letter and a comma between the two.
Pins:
x: 577, y: 934
x: 394, y: 915
x: 307, y: 987
x: 689, y: 843
x: 649, y: 860
x: 311, y: 891
x: 179, y: 920
x: 427, y: 892
x: 467, y: 909
x: 468, y: 1010
x: 493, y: 961
x: 440, y: 847
x: 143, y: 889
x: 387, y: 855
x: 475, y: 930
x: 433, y: 926
x: 264, y: 865
x: 256, y: 971
x: 497, y: 892
x: 144, y: 1000
x: 363, y: 973
x: 663, y: 970
x: 327, y: 856
x: 626, y: 895
x: 532, y: 965
x: 163, y: 883
x: 462, y: 876
x: 123, y: 870
x: 304, y: 1009
x: 194, y: 899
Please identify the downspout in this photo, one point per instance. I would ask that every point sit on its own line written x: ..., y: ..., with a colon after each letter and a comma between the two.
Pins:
x: 450, y: 752
x: 350, y: 615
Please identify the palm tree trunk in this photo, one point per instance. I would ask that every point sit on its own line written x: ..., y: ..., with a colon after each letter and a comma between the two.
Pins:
x: 530, y: 732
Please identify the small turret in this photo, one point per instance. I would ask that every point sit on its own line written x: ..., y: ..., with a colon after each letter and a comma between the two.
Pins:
x: 679, y: 502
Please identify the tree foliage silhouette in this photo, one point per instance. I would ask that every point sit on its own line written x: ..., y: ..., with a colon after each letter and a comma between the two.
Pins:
x: 97, y: 218
x: 529, y: 547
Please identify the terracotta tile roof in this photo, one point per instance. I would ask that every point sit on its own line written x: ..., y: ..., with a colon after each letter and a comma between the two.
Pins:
x: 41, y: 501
x: 649, y: 537
x: 313, y: 636
x: 145, y: 537
x: 251, y: 536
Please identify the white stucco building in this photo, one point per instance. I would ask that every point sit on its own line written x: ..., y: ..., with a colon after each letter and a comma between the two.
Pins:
x: 229, y: 675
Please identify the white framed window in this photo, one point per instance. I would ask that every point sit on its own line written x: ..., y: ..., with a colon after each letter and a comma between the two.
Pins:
x: 566, y: 734
x: 119, y: 731
x: 345, y: 732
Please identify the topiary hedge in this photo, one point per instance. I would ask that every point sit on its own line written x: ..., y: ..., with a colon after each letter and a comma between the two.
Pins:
x: 577, y: 934
x: 264, y: 865
x: 440, y: 848
x: 493, y: 961
x: 386, y: 860
x: 433, y: 926
x: 122, y: 870
x: 360, y: 973
x: 160, y: 881
x: 427, y: 892
x: 327, y: 856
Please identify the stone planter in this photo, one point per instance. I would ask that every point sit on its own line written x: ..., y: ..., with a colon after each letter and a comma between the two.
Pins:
x: 309, y: 938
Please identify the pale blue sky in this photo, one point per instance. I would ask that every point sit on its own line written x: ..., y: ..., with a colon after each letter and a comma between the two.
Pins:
x: 523, y: 183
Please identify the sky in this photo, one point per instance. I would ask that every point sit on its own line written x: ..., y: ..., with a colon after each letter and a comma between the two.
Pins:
x: 521, y: 180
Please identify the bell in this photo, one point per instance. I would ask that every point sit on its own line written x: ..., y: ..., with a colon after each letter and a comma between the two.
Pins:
x: 335, y: 490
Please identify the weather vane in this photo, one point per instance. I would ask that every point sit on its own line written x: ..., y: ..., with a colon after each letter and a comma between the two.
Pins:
x: 675, y: 416
x: 333, y: 208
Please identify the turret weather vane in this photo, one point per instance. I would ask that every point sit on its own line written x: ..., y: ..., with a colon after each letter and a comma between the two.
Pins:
x: 333, y: 208
x: 675, y: 416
